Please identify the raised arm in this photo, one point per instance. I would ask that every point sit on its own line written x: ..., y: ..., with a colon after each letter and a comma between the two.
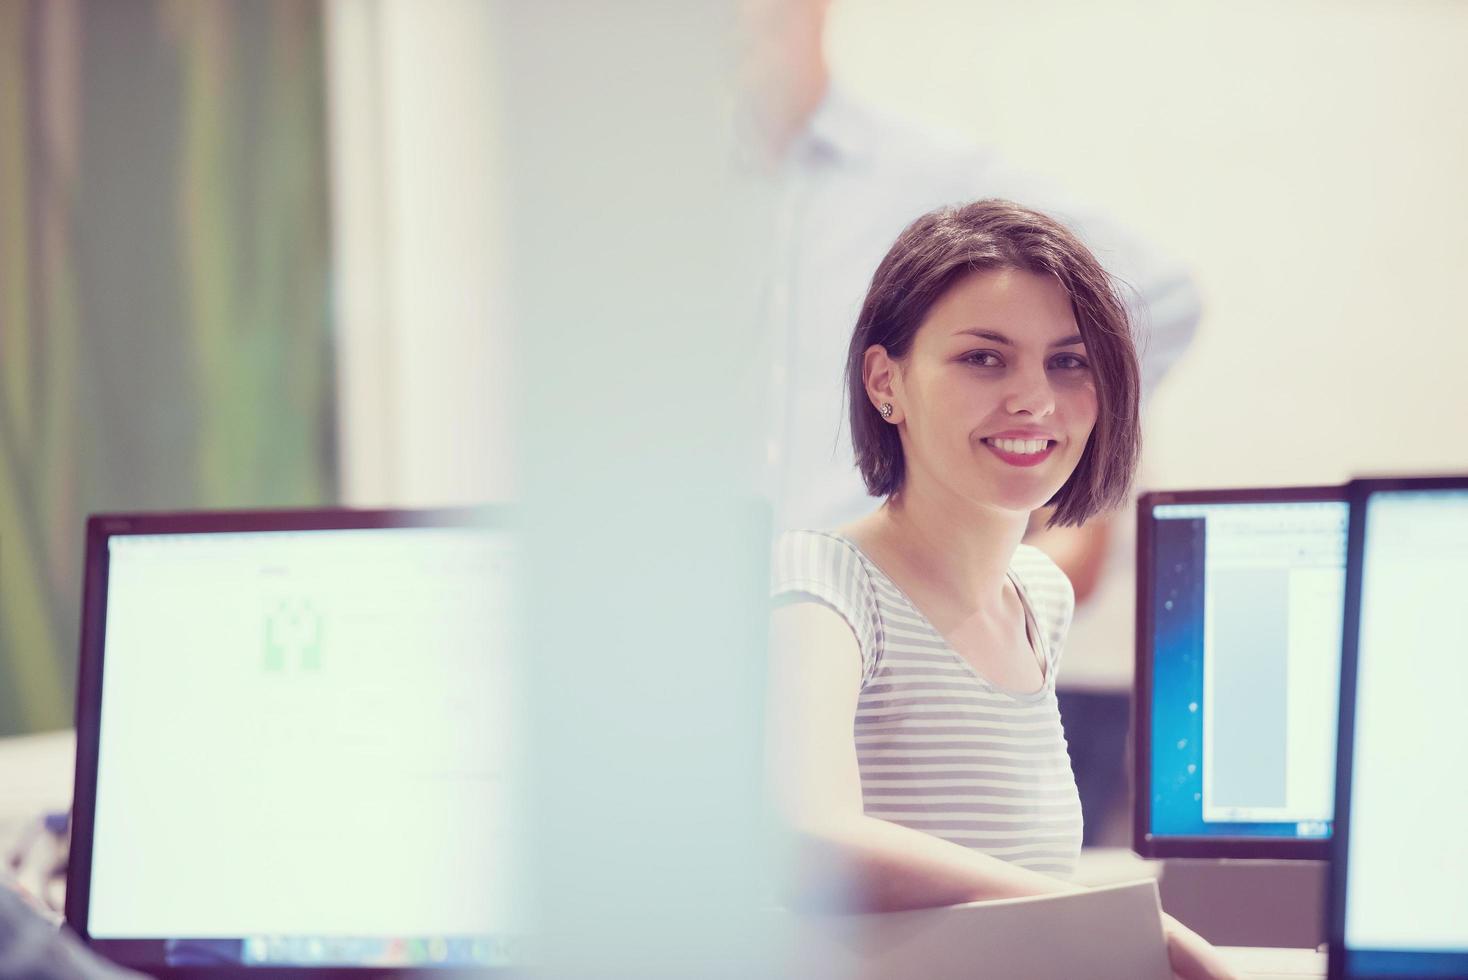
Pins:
x: 839, y: 858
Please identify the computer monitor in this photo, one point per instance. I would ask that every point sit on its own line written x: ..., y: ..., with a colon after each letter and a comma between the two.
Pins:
x: 1239, y: 600
x: 1398, y: 899
x: 294, y: 742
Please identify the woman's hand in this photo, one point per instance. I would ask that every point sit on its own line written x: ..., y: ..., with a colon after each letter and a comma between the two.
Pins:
x: 1193, y: 957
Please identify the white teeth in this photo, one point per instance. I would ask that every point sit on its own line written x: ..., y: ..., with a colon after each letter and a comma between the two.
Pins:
x: 1023, y: 447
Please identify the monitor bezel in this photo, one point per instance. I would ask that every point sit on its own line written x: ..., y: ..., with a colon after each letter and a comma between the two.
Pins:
x: 100, y: 529
x: 1144, y: 842
x: 1359, y: 493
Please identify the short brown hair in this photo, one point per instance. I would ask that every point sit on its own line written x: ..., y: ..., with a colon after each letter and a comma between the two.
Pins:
x: 932, y: 254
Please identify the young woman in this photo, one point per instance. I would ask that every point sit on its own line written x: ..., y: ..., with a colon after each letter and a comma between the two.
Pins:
x: 918, y: 755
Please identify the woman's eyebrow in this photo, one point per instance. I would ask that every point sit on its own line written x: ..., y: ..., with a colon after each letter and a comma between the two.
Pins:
x: 999, y: 338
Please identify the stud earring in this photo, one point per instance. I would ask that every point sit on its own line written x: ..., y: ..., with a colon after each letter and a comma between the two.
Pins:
x: 886, y: 410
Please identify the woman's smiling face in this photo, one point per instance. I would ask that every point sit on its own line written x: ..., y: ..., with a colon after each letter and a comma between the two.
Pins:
x: 996, y: 399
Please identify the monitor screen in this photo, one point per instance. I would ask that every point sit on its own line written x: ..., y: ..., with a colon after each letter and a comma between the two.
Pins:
x: 304, y: 749
x: 1401, y: 908
x: 1239, y: 615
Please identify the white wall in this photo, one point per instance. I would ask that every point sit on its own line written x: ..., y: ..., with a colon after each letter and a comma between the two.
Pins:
x: 426, y: 412
x: 1305, y: 157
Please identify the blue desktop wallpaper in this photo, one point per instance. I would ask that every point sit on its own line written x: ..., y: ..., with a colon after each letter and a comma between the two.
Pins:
x: 1177, y: 690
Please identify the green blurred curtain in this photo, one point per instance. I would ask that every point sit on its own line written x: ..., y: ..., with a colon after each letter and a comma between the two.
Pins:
x: 164, y: 305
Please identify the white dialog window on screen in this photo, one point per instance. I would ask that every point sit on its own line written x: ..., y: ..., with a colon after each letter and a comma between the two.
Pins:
x: 306, y: 733
x: 1274, y: 579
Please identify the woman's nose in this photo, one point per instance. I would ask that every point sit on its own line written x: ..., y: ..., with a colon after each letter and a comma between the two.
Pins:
x: 1030, y: 393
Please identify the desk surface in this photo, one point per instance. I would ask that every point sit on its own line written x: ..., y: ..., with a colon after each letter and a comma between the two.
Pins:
x: 36, y: 771
x: 1272, y: 963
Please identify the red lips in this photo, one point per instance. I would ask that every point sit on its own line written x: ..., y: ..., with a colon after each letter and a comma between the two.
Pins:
x: 1022, y: 459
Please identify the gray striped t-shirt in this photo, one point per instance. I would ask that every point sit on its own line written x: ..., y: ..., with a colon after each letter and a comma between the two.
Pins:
x: 941, y: 749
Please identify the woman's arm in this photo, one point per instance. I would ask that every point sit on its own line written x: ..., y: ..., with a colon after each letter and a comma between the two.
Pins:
x: 838, y: 857
x: 1192, y: 956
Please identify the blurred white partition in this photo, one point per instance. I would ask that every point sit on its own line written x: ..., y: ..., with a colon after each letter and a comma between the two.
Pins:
x: 1109, y: 933
x: 635, y: 283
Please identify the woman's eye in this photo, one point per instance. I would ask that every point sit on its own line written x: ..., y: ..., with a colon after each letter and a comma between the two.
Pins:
x: 982, y: 358
x: 1068, y: 361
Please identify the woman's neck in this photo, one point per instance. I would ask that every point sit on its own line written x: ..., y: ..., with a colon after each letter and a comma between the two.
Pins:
x: 953, y: 549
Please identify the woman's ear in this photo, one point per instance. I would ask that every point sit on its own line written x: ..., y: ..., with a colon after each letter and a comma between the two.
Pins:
x: 883, y: 382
